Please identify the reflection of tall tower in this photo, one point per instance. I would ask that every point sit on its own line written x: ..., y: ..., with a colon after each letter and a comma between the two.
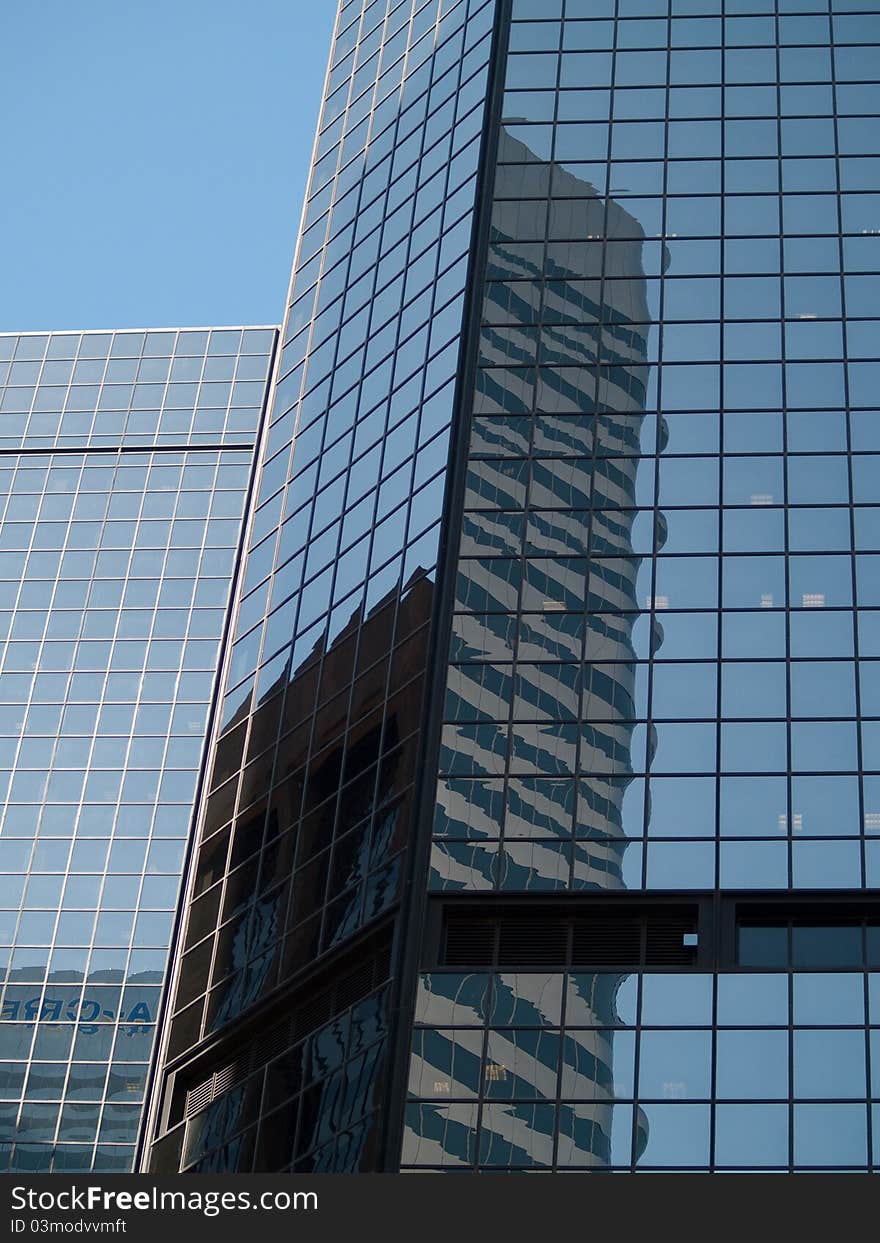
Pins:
x: 548, y: 579
x: 548, y: 572
x: 507, y: 1073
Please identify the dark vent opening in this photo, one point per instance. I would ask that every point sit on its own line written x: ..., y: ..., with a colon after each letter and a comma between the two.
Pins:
x: 469, y: 941
x: 597, y: 937
x: 613, y: 941
x: 314, y: 1014
x: 665, y: 943
x: 275, y: 1040
x: 529, y: 941
x: 353, y: 986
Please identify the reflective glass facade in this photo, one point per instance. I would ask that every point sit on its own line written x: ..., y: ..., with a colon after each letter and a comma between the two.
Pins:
x: 671, y: 463
x: 310, y: 804
x: 637, y: 731
x: 594, y: 1071
x: 125, y: 463
x: 661, y: 648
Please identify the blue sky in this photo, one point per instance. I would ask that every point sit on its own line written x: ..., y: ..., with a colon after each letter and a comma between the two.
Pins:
x: 154, y: 159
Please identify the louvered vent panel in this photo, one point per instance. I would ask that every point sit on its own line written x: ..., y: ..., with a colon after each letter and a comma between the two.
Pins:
x: 533, y: 941
x: 231, y: 1074
x: 383, y: 963
x: 599, y: 938
x: 200, y: 1097
x: 610, y: 942
x: 274, y: 1042
x: 665, y: 943
x: 353, y: 986
x: 470, y: 942
x: 315, y: 1013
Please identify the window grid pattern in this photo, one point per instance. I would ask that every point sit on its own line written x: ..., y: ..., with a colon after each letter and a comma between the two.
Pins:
x: 132, y: 389
x: 116, y: 569
x: 309, y: 1110
x: 666, y: 636
x: 307, y: 813
x: 598, y: 1071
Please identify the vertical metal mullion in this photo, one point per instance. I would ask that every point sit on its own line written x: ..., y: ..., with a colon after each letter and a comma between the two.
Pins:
x: 657, y: 417
x: 789, y: 810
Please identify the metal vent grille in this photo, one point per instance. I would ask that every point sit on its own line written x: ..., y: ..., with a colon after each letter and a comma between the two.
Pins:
x: 199, y: 1098
x: 311, y: 1011
x: 470, y: 940
x: 611, y: 941
x: 533, y: 941
x: 598, y: 938
x: 664, y: 943
x: 351, y: 987
x: 275, y: 1041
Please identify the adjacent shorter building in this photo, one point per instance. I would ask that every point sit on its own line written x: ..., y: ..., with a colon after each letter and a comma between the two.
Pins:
x: 125, y: 468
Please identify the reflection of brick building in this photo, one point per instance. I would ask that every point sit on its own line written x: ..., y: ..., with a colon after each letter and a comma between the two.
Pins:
x: 338, y: 742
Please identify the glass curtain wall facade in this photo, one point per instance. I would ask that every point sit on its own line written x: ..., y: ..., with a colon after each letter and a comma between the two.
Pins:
x: 542, y: 826
x: 274, y: 1054
x: 125, y: 462
x: 663, y: 656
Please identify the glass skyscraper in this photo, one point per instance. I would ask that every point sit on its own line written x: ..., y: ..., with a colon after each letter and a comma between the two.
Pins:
x: 540, y: 824
x: 125, y: 463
